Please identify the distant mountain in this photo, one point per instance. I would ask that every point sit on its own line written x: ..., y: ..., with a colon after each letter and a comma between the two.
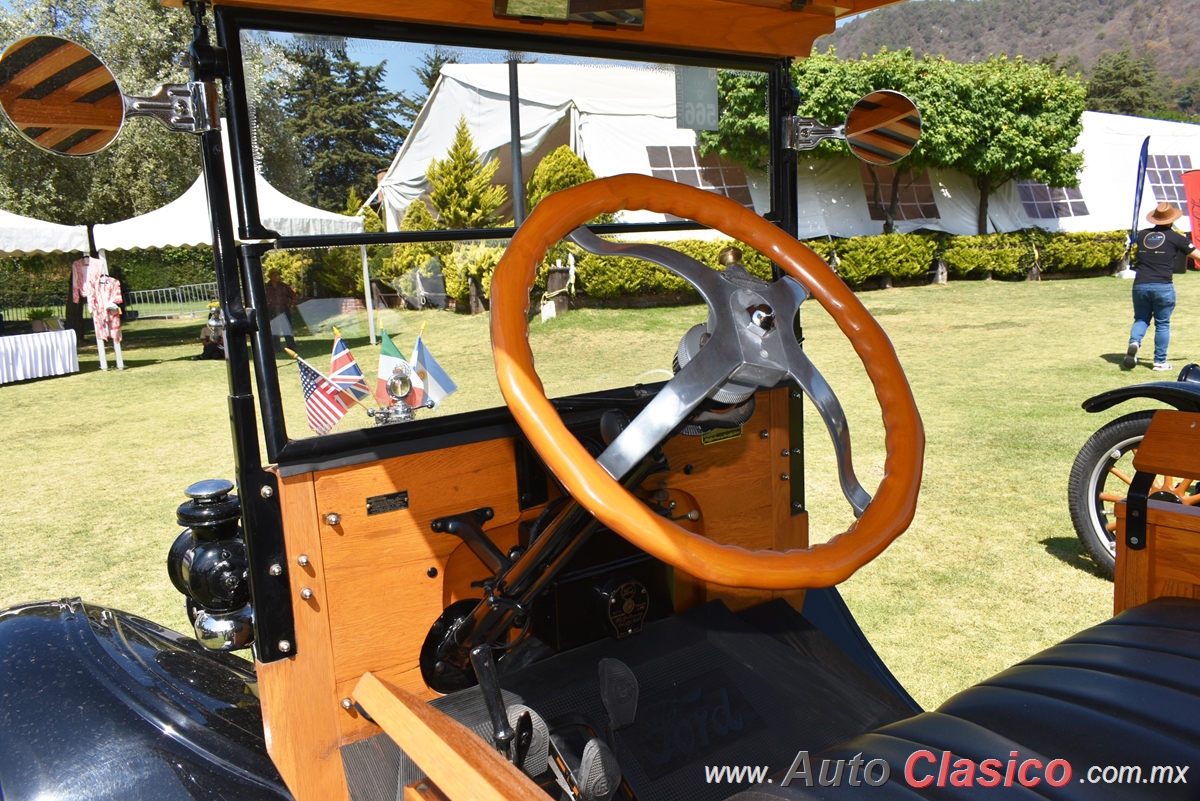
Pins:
x: 966, y: 30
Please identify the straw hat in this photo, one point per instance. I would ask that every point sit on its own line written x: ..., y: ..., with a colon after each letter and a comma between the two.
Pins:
x: 1164, y: 214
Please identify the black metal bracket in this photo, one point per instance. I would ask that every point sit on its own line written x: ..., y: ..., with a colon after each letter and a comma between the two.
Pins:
x: 270, y: 589
x: 1136, y: 509
x: 795, y: 446
x: 468, y: 527
x: 532, y: 478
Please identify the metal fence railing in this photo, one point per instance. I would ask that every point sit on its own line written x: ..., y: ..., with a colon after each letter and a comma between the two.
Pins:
x: 196, y: 297
x: 155, y: 302
x: 16, y: 306
x: 191, y: 299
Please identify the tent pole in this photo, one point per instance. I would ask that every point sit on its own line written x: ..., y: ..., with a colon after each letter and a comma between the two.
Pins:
x: 368, y: 293
x: 514, y: 118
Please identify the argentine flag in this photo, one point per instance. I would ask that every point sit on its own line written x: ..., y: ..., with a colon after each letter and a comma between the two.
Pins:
x: 431, y: 384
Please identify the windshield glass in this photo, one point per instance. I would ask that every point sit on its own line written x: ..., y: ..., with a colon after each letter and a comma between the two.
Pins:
x: 363, y: 136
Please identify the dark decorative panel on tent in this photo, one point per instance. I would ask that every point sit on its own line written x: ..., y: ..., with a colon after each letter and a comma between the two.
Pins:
x: 685, y: 165
x: 1165, y: 174
x: 916, y: 194
x: 1043, y: 202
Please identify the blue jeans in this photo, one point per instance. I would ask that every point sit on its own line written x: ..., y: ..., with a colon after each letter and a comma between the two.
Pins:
x: 1155, y: 301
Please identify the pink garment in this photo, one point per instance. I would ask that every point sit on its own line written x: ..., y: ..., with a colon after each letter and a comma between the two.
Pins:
x: 101, y: 292
x: 78, y: 277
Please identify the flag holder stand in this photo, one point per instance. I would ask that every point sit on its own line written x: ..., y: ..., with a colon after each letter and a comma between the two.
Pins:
x: 399, y: 413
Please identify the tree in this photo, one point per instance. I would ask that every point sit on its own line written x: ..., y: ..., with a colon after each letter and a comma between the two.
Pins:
x: 427, y: 72
x: 829, y: 87
x: 1027, y: 120
x: 995, y: 121
x: 461, y: 188
x: 743, y: 126
x: 342, y: 118
x: 561, y: 169
x: 1122, y: 84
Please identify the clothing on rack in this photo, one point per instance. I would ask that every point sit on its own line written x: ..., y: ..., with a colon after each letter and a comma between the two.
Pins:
x: 103, y: 294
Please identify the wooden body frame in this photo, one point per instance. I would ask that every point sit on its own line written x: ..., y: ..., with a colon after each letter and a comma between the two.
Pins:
x: 1169, y: 565
x: 777, y: 28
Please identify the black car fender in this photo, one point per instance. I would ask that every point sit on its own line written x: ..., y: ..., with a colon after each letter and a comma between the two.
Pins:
x: 96, y: 704
x: 1183, y: 395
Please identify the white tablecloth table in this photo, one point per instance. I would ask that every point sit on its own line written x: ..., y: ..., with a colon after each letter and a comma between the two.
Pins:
x: 38, y: 355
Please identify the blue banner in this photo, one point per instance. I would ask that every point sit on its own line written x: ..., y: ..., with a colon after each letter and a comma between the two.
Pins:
x: 1137, y: 195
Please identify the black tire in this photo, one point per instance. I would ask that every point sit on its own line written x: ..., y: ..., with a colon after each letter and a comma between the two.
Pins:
x: 1091, y: 475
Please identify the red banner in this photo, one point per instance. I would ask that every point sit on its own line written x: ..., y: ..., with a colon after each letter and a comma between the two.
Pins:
x: 1191, y: 186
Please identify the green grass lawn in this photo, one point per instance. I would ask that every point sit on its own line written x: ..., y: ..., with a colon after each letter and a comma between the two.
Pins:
x: 93, y: 465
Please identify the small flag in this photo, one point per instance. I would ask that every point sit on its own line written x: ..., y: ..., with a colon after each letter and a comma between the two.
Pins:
x: 322, y: 400
x: 431, y: 384
x: 344, y: 372
x: 389, y: 360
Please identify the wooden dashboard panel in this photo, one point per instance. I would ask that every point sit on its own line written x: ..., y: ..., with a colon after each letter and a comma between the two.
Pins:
x: 378, y: 581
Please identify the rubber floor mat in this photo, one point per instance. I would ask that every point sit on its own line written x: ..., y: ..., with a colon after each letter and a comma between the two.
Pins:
x: 715, y: 691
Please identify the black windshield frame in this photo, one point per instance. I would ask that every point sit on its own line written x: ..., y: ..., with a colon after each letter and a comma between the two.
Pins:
x: 294, y: 455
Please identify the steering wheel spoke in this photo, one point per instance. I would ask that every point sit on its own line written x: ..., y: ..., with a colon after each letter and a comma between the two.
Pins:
x: 673, y: 403
x: 809, y: 379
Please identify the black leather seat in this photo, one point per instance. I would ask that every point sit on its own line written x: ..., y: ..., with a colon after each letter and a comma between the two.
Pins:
x: 1125, y: 693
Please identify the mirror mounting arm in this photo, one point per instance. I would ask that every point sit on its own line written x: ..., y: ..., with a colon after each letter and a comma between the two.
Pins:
x: 190, y: 107
x: 805, y: 133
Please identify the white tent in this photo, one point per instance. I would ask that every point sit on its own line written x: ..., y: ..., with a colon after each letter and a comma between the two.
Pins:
x: 20, y: 235
x: 621, y: 119
x: 184, y: 222
x: 609, y: 115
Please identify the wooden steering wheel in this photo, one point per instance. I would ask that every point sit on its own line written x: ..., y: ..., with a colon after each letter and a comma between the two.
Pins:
x: 740, y: 351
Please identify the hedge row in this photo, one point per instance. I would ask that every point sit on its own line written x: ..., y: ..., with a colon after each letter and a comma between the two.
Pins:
x: 857, y: 260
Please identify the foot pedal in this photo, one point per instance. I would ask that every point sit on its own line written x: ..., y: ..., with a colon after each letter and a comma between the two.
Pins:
x: 599, y: 774
x: 537, y: 754
x: 619, y: 693
x: 583, y: 766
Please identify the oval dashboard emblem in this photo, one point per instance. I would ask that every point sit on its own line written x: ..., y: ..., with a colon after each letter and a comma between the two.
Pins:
x: 1155, y: 240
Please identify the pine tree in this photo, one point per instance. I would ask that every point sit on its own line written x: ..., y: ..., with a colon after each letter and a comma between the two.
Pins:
x: 461, y: 188
x: 560, y: 170
x: 1122, y: 84
x: 343, y: 120
x: 417, y: 217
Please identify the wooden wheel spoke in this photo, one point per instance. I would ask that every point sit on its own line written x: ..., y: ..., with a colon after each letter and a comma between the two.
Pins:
x: 1191, y: 500
x: 1111, y: 497
x: 1110, y: 526
x: 1176, y: 487
x: 1120, y: 474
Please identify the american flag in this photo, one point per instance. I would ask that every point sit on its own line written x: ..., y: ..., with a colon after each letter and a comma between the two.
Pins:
x: 344, y: 372
x: 322, y: 400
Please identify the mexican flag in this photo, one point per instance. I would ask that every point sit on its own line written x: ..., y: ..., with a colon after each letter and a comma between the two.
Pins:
x: 389, y: 360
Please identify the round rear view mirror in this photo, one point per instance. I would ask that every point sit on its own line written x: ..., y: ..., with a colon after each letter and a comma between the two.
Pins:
x: 59, y: 96
x: 883, y: 127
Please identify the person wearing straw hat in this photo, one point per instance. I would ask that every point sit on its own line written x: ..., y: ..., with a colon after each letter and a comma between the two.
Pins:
x: 1153, y: 291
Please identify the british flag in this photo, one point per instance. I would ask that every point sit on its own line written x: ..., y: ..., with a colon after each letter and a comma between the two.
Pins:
x: 322, y: 400
x: 344, y: 372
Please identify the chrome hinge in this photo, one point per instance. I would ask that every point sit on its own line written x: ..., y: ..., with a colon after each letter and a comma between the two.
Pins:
x: 185, y: 107
x: 805, y: 133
